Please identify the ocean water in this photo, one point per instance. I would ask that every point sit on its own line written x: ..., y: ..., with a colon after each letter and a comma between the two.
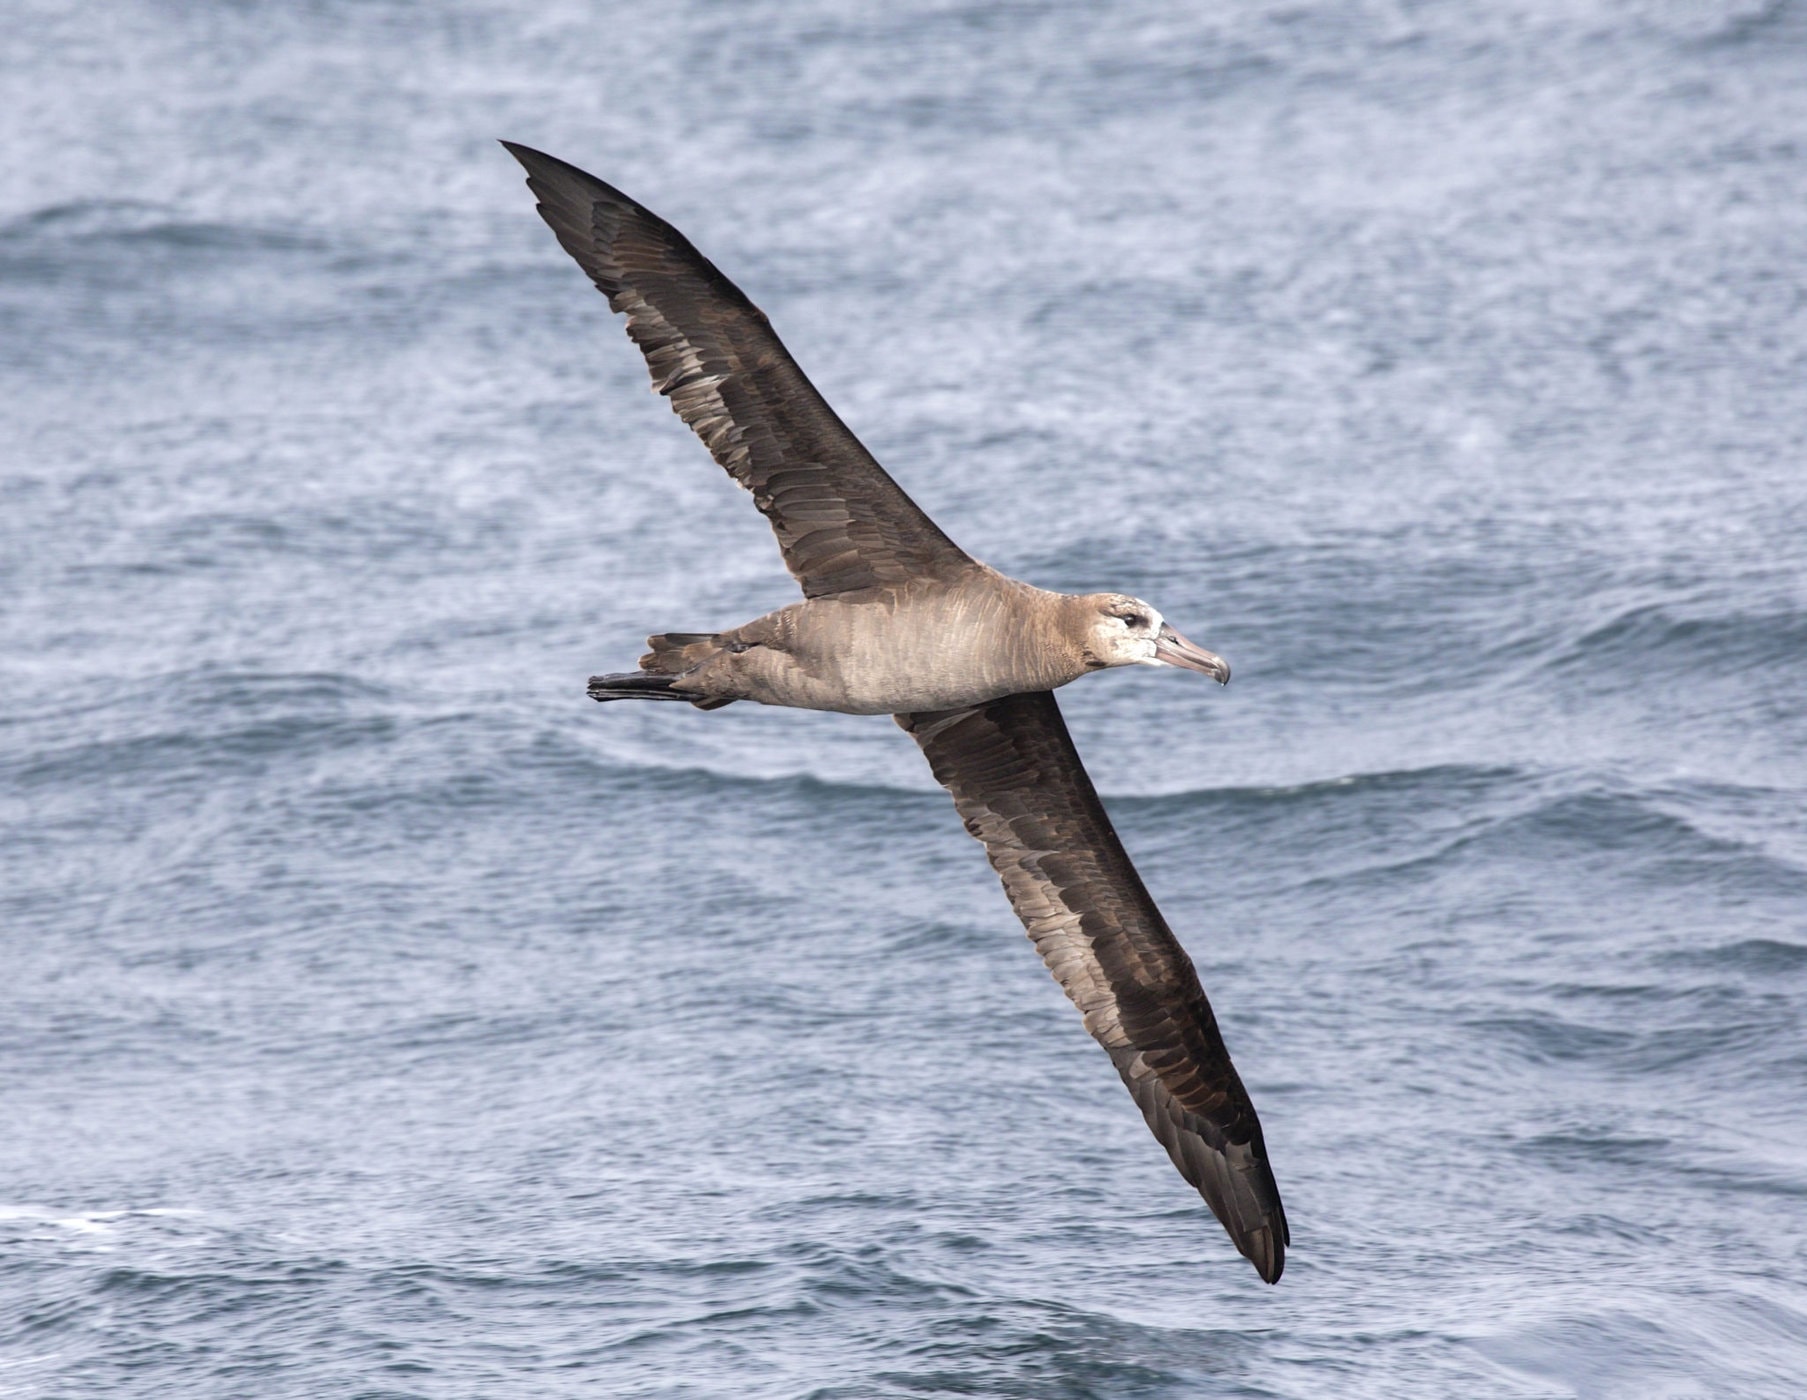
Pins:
x: 381, y: 1018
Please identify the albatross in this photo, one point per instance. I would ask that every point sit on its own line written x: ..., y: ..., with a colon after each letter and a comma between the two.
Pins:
x: 896, y: 619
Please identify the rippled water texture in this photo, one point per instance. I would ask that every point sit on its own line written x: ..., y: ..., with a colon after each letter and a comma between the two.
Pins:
x: 381, y: 1018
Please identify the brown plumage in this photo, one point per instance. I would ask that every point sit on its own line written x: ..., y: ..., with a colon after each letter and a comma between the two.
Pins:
x: 842, y: 523
x: 898, y: 620
x: 1017, y: 780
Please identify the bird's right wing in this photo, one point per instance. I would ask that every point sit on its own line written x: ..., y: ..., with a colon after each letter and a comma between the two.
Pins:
x: 1017, y: 780
x: 841, y: 522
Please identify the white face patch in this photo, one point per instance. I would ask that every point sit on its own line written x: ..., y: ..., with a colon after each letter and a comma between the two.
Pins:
x: 1128, y: 645
x: 1147, y: 635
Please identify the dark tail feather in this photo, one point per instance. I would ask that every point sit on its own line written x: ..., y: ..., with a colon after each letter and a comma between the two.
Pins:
x: 635, y: 685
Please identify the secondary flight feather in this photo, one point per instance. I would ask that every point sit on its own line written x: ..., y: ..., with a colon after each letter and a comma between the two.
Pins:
x: 897, y: 620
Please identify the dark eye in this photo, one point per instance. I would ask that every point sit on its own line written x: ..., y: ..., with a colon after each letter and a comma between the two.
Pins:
x: 1134, y: 620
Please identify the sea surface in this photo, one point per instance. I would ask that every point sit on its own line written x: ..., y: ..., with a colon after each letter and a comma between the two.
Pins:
x: 381, y: 1018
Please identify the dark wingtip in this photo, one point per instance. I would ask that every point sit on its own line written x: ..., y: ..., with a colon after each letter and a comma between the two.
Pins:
x: 1251, y: 1212
x: 556, y: 182
x: 1265, y: 1245
x: 532, y: 161
x: 540, y: 166
x: 1266, y: 1253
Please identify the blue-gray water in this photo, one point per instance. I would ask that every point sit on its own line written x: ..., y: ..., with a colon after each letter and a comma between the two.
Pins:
x: 382, y: 1018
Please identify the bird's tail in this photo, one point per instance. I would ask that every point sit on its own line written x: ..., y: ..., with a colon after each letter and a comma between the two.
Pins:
x: 673, y: 654
x: 634, y: 685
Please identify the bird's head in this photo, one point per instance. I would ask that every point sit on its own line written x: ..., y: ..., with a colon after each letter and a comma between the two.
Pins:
x: 1119, y: 630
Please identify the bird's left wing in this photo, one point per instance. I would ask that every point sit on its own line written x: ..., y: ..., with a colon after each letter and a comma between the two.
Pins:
x: 843, y: 524
x: 1017, y: 780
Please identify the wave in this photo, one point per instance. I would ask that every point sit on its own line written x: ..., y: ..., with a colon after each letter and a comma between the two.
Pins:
x: 203, y: 720
x: 1653, y: 834
x: 77, y: 238
x: 1658, y: 639
x: 140, y: 221
x: 1761, y: 957
x: 1777, y: 25
x: 1656, y: 836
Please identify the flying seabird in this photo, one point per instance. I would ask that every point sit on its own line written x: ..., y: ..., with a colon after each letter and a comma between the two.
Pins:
x: 897, y: 620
